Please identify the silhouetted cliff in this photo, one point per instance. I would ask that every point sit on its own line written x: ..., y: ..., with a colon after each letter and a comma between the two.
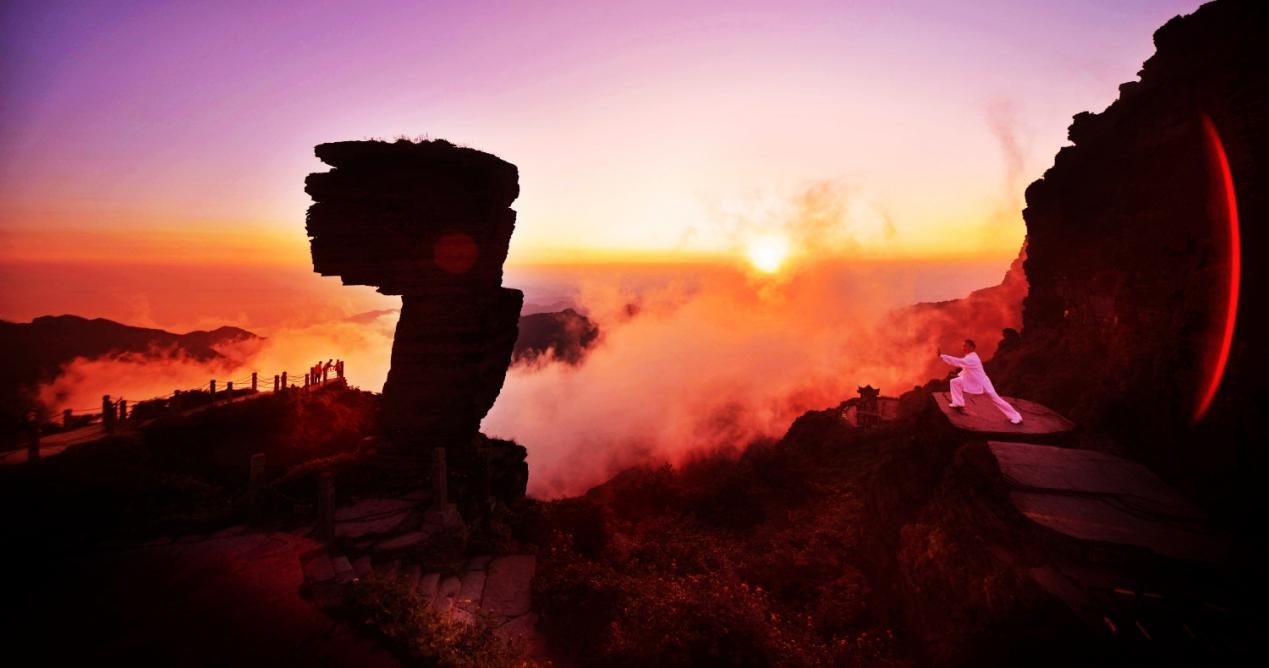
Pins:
x: 1129, y: 259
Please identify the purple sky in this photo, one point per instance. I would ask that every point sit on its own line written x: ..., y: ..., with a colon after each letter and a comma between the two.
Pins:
x: 660, y: 127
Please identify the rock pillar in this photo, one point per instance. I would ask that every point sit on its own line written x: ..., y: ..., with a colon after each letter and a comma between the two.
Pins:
x: 432, y: 222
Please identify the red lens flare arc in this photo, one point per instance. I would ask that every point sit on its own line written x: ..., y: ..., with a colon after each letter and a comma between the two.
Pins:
x: 1220, y: 161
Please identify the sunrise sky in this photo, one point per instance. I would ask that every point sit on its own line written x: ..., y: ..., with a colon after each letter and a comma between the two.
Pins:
x: 159, y: 134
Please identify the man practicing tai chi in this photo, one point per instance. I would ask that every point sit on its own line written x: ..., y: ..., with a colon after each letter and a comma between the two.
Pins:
x: 974, y: 380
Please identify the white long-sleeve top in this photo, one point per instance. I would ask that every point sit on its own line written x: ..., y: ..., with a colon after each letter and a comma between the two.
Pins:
x: 973, y: 379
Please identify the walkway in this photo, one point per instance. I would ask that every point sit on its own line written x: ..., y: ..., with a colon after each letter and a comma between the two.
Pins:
x: 389, y: 536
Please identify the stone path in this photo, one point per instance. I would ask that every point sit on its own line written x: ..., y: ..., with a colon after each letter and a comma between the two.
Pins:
x: 980, y: 416
x: 372, y: 516
x: 52, y: 445
x: 56, y: 444
x: 384, y: 536
x: 497, y: 587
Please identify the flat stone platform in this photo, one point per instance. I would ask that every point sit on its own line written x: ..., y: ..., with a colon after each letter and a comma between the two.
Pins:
x: 1099, y: 497
x: 982, y: 417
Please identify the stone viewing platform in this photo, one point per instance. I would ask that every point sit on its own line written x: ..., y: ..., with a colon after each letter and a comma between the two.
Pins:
x: 1099, y: 497
x: 981, y: 417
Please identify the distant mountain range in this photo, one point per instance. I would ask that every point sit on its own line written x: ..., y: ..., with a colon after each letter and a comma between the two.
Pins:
x: 990, y: 316
x: 567, y: 334
x: 34, y: 352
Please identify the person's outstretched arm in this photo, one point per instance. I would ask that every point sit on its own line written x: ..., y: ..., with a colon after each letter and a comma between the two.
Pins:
x: 954, y: 361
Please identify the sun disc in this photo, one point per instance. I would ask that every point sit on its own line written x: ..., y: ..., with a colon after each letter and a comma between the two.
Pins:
x: 767, y: 253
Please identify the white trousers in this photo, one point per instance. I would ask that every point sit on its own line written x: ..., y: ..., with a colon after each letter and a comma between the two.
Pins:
x: 958, y: 399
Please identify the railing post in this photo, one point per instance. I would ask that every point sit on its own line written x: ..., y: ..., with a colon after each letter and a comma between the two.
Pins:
x: 66, y: 418
x: 176, y: 400
x: 339, y: 368
x: 253, y: 381
x: 442, y: 512
x: 229, y: 390
x: 275, y: 383
x: 326, y: 507
x: 33, y: 445
x: 305, y: 380
x: 107, y: 414
x: 213, y: 389
x: 440, y: 479
x: 284, y: 385
x: 255, y: 480
x: 123, y: 410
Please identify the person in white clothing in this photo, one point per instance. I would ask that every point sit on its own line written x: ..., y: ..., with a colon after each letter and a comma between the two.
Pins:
x: 974, y: 380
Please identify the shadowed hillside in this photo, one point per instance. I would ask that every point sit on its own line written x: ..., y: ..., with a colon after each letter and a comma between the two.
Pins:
x: 34, y: 352
x: 565, y: 336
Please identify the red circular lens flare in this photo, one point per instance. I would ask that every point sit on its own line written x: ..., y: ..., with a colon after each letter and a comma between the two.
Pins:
x: 1229, y: 204
x: 455, y: 253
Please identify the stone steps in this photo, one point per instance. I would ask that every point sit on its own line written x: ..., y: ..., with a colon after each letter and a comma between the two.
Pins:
x: 382, y: 536
x: 1093, y: 496
x: 1155, y: 589
x: 497, y: 587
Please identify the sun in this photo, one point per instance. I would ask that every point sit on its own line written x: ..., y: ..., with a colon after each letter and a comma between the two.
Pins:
x: 767, y: 253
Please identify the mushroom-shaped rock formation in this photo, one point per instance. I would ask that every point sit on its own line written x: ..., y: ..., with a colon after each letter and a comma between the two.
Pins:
x: 432, y: 222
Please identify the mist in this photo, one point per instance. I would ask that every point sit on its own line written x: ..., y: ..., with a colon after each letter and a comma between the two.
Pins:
x: 689, y: 360
x: 719, y: 359
x: 717, y: 362
x: 364, y: 344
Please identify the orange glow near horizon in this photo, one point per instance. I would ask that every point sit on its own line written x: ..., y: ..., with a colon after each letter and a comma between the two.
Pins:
x: 204, y: 246
x: 1230, y: 203
x: 267, y: 247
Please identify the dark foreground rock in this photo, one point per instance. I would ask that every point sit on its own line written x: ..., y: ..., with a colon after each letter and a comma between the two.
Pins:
x: 229, y: 599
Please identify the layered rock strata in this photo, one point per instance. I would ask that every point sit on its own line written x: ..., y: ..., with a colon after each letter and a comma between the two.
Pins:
x: 432, y: 222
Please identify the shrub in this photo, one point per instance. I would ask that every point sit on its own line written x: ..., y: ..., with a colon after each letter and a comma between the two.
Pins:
x: 400, y: 615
